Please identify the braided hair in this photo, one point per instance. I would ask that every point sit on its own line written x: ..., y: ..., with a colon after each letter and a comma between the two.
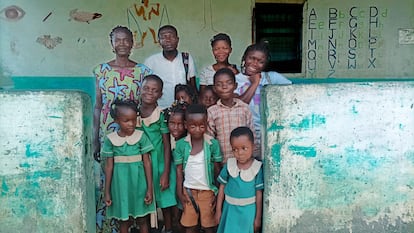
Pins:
x: 176, y: 107
x: 120, y: 29
x: 118, y: 103
x: 261, y: 46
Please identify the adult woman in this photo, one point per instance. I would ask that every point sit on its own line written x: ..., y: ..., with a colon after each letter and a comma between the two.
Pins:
x: 252, y: 79
x: 221, y: 48
x: 119, y: 78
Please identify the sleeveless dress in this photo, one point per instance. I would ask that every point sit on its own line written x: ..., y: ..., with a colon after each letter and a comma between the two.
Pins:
x: 239, y: 206
x: 154, y: 127
x: 113, y: 83
x: 129, y: 185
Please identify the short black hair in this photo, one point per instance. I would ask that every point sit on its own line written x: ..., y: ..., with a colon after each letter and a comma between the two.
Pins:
x: 224, y: 71
x: 120, y: 29
x: 118, y: 103
x: 207, y: 88
x: 169, y: 27
x: 155, y: 78
x: 220, y: 36
x: 243, y: 130
x: 195, y: 109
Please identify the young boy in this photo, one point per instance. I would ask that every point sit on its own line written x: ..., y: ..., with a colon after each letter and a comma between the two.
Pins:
x: 198, y: 159
x: 228, y: 113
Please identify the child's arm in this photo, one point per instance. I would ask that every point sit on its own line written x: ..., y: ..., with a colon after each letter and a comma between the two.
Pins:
x: 109, y: 168
x: 247, y: 96
x: 211, y: 129
x: 180, y: 180
x: 259, y: 207
x: 96, y: 121
x: 219, y: 203
x: 165, y: 177
x: 148, y: 176
x: 217, y: 169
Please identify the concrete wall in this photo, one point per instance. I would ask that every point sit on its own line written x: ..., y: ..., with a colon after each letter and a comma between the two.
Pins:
x: 339, y: 157
x: 346, y: 39
x: 46, y: 171
x: 83, y: 45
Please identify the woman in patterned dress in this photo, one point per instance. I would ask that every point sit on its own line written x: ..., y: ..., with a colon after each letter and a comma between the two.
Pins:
x: 119, y: 78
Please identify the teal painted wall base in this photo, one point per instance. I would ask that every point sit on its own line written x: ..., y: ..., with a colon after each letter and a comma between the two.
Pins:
x: 339, y: 157
x: 46, y: 169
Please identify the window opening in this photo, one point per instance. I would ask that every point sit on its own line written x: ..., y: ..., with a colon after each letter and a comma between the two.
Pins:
x: 281, y: 26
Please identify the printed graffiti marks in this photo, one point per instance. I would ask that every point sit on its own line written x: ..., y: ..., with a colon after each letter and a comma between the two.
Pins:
x: 372, y: 38
x: 352, y: 40
x: 332, y: 27
x: 311, y: 53
x: 143, y: 19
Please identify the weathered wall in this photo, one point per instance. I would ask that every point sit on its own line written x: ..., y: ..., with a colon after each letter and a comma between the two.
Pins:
x: 339, y: 157
x: 46, y: 171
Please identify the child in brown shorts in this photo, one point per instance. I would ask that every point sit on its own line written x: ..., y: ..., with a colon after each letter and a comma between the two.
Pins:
x: 198, y: 158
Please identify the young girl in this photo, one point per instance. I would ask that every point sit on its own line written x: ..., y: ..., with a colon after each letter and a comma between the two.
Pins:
x: 128, y: 173
x: 185, y: 93
x: 207, y: 96
x: 174, y: 116
x: 239, y: 200
x: 252, y: 79
x: 126, y: 75
x: 221, y: 48
x: 151, y: 121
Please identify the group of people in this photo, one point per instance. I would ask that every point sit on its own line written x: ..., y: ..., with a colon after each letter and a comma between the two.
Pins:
x: 160, y: 141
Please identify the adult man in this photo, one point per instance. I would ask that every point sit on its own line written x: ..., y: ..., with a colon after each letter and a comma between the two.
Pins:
x: 170, y: 65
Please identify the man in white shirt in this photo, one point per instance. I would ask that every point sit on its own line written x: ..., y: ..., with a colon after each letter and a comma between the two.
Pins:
x: 170, y: 65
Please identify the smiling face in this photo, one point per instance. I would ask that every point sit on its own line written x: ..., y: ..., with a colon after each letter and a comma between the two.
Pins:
x: 168, y: 40
x: 176, y: 125
x: 127, y: 120
x: 122, y: 43
x: 242, y: 148
x: 150, y: 92
x: 254, y: 62
x: 221, y: 51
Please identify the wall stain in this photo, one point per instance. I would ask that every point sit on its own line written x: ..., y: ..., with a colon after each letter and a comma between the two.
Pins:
x: 4, y: 188
x: 275, y: 127
x: 31, y: 154
x: 309, y: 122
x: 303, y: 151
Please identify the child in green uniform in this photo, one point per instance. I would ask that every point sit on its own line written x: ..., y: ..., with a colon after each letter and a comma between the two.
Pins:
x: 128, y: 173
x: 198, y: 159
x: 152, y: 121
x: 239, y: 200
x: 174, y: 116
